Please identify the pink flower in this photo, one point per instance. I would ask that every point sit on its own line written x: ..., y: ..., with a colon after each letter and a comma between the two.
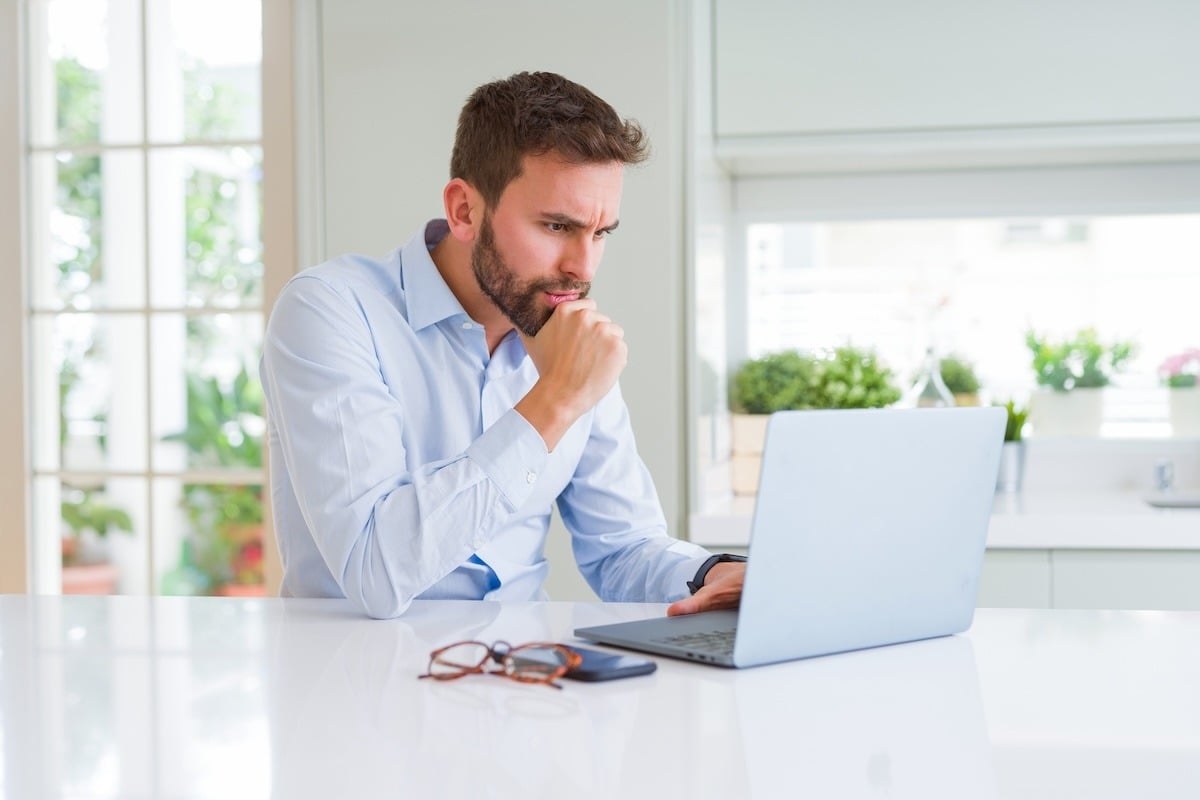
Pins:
x: 1181, y: 369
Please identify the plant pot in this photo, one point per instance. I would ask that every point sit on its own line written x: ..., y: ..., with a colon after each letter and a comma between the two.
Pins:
x: 966, y: 399
x: 89, y: 579
x: 1012, y: 467
x: 1075, y: 413
x: 748, y: 435
x: 241, y: 590
x: 1184, y: 406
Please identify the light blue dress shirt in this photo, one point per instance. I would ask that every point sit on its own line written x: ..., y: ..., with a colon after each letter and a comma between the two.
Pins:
x: 399, y: 468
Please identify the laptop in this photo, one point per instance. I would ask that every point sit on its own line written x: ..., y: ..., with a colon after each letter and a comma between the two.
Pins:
x: 869, y: 529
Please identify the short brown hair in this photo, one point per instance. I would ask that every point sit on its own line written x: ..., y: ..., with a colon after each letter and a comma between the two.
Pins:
x: 533, y: 113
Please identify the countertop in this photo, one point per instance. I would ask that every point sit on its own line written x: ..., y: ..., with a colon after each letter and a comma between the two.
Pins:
x: 220, y: 697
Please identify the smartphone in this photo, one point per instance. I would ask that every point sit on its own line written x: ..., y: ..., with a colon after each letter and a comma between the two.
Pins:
x: 600, y: 666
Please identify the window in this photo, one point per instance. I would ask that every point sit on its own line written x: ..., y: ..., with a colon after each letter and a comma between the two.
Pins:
x: 973, y: 288
x: 145, y: 307
x: 966, y: 261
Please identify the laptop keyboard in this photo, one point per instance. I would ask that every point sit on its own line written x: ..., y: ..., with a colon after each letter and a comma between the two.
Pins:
x: 715, y: 642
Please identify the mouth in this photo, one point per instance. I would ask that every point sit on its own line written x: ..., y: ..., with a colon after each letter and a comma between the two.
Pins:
x: 558, y: 298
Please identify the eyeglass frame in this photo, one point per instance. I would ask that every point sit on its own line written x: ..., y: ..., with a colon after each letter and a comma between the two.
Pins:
x: 504, y: 657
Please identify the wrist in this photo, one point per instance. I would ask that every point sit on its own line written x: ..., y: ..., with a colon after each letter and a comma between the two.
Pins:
x: 713, y: 567
x: 548, y: 413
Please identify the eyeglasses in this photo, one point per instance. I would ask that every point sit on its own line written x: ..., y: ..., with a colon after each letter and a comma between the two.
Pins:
x: 537, y: 662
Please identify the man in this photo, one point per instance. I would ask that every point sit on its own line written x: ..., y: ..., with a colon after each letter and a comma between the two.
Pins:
x: 426, y: 410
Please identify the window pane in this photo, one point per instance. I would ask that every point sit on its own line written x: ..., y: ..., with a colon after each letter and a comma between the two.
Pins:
x: 973, y: 288
x: 85, y: 71
x: 99, y: 527
x: 100, y: 413
x: 210, y: 540
x: 205, y: 221
x: 87, y: 245
x: 205, y: 82
x: 207, y: 406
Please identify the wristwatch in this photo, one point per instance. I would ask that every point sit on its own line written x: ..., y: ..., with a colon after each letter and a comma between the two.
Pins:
x: 720, y: 558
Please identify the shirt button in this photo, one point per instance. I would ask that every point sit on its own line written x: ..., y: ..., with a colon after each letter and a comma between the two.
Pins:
x: 467, y: 326
x: 530, y: 476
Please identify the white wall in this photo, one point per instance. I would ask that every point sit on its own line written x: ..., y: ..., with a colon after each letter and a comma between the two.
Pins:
x: 394, y: 78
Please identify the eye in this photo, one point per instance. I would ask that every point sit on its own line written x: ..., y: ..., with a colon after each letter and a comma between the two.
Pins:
x: 603, y: 234
x: 557, y: 227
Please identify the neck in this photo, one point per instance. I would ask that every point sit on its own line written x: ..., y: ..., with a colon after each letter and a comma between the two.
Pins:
x: 453, y: 260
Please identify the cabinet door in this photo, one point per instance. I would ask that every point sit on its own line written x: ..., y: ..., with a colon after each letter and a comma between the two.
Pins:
x: 1127, y: 579
x: 788, y: 67
x: 1015, y: 579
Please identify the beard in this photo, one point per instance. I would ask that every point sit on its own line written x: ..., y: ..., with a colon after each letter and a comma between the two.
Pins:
x: 520, y: 301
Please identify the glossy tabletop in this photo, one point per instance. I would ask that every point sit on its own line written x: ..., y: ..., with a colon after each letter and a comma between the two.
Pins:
x: 211, y: 697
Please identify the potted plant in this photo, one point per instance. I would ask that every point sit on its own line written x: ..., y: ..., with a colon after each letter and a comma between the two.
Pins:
x: 959, y: 376
x: 1181, y: 375
x: 1071, y: 374
x: 846, y: 377
x: 760, y: 387
x: 223, y: 553
x: 1012, y: 457
x: 86, y: 514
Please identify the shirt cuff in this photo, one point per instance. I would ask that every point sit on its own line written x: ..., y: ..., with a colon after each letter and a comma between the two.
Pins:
x: 512, y: 454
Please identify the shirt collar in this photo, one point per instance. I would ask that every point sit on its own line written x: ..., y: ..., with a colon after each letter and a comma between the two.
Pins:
x: 427, y: 297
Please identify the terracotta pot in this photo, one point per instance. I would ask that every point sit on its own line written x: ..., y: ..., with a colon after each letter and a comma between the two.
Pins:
x: 242, y: 590
x: 89, y: 579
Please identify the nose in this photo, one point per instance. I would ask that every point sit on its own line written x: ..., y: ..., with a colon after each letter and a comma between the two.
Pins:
x: 581, y: 257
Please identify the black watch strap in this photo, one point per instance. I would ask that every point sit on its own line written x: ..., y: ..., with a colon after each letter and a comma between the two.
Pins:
x: 720, y: 558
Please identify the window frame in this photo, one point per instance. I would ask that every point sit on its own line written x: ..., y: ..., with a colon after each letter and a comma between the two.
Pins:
x: 278, y: 232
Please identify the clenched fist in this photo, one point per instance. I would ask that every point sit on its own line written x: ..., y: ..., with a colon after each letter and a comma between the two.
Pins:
x: 579, y: 354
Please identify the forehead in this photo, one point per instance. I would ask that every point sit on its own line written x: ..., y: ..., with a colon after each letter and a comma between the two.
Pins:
x: 547, y: 183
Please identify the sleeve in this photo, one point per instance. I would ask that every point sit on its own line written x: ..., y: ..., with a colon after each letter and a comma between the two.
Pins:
x: 618, y: 530
x: 387, y: 530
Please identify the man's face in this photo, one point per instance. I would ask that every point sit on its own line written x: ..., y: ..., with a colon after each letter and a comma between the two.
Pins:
x: 541, y: 244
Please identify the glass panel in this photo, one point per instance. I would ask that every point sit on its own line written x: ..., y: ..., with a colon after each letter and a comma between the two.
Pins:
x: 85, y: 71
x: 205, y: 222
x: 87, y: 243
x: 205, y: 75
x: 974, y: 288
x: 207, y: 399
x: 101, y: 383
x: 100, y: 527
x: 209, y: 539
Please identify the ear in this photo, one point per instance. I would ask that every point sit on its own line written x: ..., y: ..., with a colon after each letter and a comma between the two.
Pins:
x: 464, y: 209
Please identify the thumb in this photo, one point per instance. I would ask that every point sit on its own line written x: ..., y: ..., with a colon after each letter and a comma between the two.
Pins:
x: 688, y: 605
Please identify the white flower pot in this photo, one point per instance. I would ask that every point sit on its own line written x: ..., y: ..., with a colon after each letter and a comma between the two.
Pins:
x: 1075, y: 413
x: 1184, y: 405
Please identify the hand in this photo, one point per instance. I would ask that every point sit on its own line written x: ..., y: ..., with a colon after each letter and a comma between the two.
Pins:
x: 579, y: 354
x: 722, y: 589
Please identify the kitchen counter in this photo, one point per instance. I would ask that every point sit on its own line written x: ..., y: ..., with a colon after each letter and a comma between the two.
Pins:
x: 1027, y: 521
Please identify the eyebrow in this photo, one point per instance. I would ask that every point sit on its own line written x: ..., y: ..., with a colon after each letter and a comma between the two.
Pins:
x: 565, y: 219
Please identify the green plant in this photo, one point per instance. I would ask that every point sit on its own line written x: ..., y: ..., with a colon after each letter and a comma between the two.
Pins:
x: 850, y: 377
x: 959, y: 375
x: 1082, y: 362
x: 1015, y: 427
x: 774, y: 382
x: 847, y: 377
x: 224, y: 429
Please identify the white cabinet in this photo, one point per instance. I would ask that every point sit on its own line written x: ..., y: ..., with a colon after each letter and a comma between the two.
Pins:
x: 1116, y: 579
x: 981, y: 77
x: 786, y: 67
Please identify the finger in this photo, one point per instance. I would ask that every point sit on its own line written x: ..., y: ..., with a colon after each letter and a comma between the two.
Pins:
x: 688, y: 605
x: 582, y: 304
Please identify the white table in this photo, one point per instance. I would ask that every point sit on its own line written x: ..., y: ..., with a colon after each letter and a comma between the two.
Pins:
x: 209, y: 697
